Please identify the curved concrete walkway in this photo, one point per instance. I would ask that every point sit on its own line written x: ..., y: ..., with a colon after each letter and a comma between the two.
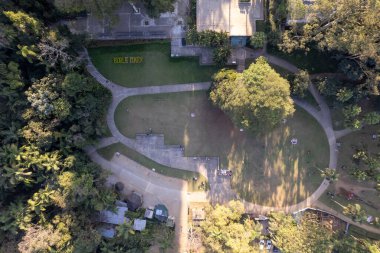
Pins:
x: 322, y: 116
x: 119, y: 93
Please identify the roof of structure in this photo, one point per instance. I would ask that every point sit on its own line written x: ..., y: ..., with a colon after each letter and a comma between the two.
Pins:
x: 170, y: 221
x: 110, y: 217
x: 198, y: 214
x: 107, y: 232
x: 134, y: 201
x: 232, y: 16
x: 149, y: 213
x: 161, y: 213
x: 139, y: 224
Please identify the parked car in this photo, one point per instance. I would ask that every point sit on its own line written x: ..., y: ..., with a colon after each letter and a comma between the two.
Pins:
x: 269, y: 244
x: 261, y: 244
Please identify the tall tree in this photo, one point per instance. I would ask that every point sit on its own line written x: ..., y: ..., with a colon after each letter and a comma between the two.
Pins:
x: 155, y: 7
x: 227, y: 230
x: 307, y: 236
x: 257, y: 99
x: 99, y: 8
x: 349, y: 26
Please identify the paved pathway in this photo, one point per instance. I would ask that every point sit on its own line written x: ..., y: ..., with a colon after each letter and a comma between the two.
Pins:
x: 155, y: 188
x: 220, y: 192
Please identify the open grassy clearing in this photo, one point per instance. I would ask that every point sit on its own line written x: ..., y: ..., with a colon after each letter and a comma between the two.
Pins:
x: 267, y: 169
x: 157, y: 67
x: 109, y: 151
x: 338, y: 202
x: 361, y: 139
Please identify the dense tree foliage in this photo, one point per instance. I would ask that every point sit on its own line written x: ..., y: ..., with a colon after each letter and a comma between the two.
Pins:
x: 155, y: 7
x: 300, y: 83
x: 100, y: 8
x: 128, y: 240
x: 307, y: 236
x: 305, y: 233
x: 350, y: 27
x: 50, y: 109
x: 257, y: 99
x: 226, y: 229
x: 219, y: 41
x: 257, y: 40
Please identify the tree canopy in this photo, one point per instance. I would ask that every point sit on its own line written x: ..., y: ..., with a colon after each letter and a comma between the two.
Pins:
x: 50, y: 109
x: 226, y: 229
x: 351, y: 27
x: 307, y: 236
x: 100, y: 8
x: 257, y: 99
x: 306, y: 233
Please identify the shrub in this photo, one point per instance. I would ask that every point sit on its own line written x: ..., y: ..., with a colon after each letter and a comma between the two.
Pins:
x: 258, y: 40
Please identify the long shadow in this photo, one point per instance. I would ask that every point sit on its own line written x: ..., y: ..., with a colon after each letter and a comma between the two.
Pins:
x: 266, y: 169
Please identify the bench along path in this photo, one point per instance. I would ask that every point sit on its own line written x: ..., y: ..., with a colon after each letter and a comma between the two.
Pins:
x: 153, y: 146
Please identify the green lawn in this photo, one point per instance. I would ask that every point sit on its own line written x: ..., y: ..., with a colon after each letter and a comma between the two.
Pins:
x: 361, y: 139
x: 349, y: 143
x: 157, y: 67
x: 314, y: 61
x: 267, y: 169
x: 109, y: 151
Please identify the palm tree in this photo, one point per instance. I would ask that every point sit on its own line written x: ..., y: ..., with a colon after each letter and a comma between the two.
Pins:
x: 330, y: 174
x: 355, y: 211
x: 10, y: 135
x: 124, y: 230
x: 8, y: 153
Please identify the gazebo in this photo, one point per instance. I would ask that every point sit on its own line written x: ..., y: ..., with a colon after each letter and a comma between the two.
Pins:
x: 161, y: 213
x: 134, y: 201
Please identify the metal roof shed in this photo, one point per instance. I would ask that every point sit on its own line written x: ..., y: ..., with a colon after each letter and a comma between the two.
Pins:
x: 161, y: 213
x: 139, y: 225
x: 117, y: 218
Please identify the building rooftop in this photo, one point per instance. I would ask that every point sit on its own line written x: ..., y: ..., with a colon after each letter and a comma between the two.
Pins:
x: 139, y: 224
x: 149, y: 213
x: 233, y: 16
x: 161, y: 213
x: 107, y: 232
x: 134, y: 201
x: 114, y: 218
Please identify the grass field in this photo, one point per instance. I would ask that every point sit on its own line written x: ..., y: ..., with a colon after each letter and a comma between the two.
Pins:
x: 109, y: 151
x: 266, y: 169
x: 157, y: 67
x: 338, y: 202
x: 370, y: 198
x: 361, y: 139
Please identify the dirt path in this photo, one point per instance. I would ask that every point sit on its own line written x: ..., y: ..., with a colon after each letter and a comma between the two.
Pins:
x: 356, y: 189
